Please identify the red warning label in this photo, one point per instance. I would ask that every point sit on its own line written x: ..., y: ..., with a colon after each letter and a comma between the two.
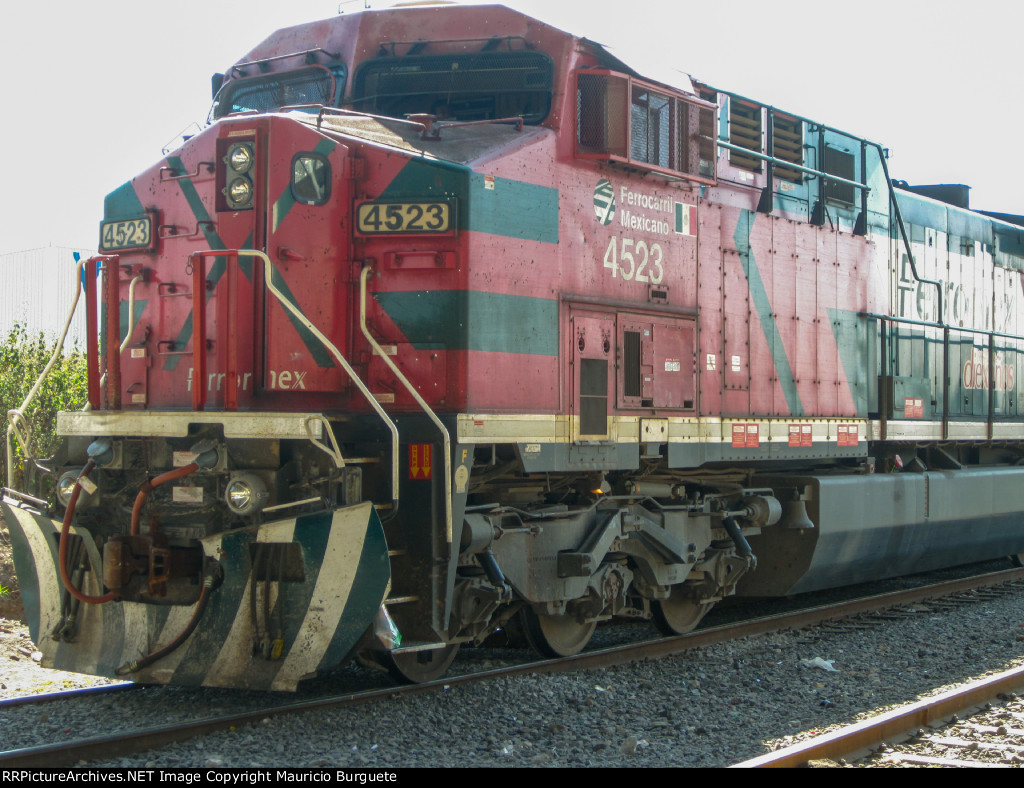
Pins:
x: 745, y: 436
x: 847, y: 435
x: 800, y: 435
x: 420, y: 460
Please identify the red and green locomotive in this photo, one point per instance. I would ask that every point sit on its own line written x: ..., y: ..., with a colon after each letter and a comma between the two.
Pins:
x: 450, y: 322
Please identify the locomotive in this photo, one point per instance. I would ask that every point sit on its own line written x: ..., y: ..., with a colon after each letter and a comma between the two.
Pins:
x: 451, y: 323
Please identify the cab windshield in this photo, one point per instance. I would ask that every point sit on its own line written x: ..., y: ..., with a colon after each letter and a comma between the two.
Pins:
x: 463, y: 87
x: 270, y: 92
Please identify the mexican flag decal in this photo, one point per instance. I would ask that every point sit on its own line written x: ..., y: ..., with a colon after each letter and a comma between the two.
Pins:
x: 686, y: 219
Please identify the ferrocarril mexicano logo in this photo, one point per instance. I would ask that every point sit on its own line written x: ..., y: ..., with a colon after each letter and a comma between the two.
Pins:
x: 604, y: 201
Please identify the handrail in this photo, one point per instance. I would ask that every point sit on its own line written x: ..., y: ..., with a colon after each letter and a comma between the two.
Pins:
x: 903, y: 230
x: 303, y: 53
x: 110, y: 384
x: 927, y: 324
x: 16, y: 416
x: 787, y: 164
x: 176, y: 176
x: 199, y: 345
x: 419, y: 401
x: 992, y: 336
x: 131, y: 321
x: 357, y: 114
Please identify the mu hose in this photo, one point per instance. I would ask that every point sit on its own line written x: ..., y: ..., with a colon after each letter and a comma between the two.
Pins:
x: 151, y: 484
x: 197, y: 615
x: 62, y: 551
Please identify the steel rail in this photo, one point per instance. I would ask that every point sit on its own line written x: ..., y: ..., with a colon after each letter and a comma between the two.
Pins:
x: 862, y: 737
x: 118, y: 745
x: 68, y: 694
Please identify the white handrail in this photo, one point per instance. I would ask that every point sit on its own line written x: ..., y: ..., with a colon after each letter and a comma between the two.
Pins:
x: 287, y: 304
x: 16, y: 416
x: 419, y: 400
x: 131, y: 325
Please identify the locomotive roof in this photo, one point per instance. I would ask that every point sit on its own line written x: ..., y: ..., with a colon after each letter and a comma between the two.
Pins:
x: 355, y: 37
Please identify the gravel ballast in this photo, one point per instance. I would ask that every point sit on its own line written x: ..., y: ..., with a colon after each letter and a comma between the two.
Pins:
x: 712, y: 706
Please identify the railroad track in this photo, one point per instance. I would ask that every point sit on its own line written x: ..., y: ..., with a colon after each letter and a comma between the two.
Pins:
x: 64, y: 695
x: 899, y: 738
x: 125, y: 743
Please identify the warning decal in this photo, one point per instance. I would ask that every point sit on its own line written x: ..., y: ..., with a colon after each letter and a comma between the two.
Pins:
x: 420, y: 460
x: 848, y: 435
x: 800, y: 435
x: 745, y: 436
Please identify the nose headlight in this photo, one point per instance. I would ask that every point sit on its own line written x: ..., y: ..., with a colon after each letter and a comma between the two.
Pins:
x: 236, y: 175
x: 66, y: 486
x: 246, y: 494
x: 240, y: 158
x: 240, y: 192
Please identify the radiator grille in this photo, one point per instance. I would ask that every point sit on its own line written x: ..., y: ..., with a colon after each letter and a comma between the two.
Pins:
x: 788, y: 145
x: 745, y: 131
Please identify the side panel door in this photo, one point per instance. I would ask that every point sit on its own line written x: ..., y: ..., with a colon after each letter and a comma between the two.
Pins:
x: 591, y: 374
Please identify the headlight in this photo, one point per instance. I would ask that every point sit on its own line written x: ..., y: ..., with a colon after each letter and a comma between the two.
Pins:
x: 240, y: 158
x: 246, y: 494
x: 65, y: 486
x: 236, y: 175
x: 240, y: 192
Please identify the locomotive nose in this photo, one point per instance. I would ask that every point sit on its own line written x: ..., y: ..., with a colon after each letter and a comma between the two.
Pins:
x: 294, y: 598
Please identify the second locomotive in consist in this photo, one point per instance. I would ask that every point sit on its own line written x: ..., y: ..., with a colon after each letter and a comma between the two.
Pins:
x: 452, y: 322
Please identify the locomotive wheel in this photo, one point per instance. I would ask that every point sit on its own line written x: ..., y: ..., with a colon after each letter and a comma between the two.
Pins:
x: 555, y: 636
x: 678, y: 614
x: 417, y: 667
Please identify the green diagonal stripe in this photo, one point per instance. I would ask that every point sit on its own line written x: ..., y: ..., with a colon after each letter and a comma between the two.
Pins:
x: 762, y: 304
x: 316, y: 349
x: 470, y: 320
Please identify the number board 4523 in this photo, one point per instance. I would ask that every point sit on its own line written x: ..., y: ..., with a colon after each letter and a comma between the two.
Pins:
x: 404, y: 218
x: 127, y: 234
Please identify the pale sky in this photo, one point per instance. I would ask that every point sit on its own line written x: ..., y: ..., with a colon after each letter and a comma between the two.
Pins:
x: 93, y: 90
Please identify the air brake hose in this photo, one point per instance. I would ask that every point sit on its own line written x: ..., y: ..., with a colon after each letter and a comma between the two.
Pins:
x: 736, y: 534
x: 491, y: 568
x: 149, y: 659
x: 151, y: 484
x: 62, y: 551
